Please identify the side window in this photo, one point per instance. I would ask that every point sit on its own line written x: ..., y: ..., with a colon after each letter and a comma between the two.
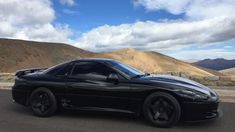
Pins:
x: 91, y: 69
x: 64, y: 71
x: 53, y: 70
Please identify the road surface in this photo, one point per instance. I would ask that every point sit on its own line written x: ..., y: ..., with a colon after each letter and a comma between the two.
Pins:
x: 16, y: 118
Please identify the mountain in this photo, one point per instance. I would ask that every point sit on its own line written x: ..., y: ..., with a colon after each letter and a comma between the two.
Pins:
x: 154, y: 62
x: 19, y: 54
x: 216, y: 64
x: 230, y: 71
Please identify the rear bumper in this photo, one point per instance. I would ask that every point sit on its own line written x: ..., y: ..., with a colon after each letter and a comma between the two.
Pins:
x: 197, y: 111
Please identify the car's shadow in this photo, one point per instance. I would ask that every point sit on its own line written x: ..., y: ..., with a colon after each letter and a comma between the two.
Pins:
x: 101, y: 115
x: 129, y: 118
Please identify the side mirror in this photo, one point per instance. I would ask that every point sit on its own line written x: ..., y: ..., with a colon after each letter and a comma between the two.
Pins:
x: 113, y: 77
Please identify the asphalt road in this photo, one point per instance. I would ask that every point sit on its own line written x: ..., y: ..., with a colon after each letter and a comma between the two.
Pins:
x: 16, y: 118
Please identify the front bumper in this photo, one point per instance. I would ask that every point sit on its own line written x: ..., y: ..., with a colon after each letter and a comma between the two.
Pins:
x: 194, y: 111
x: 20, y: 96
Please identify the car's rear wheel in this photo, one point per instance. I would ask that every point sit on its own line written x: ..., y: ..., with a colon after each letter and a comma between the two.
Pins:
x: 162, y: 109
x: 43, y: 102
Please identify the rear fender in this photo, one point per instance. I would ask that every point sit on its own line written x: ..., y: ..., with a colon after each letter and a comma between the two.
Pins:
x: 20, y: 73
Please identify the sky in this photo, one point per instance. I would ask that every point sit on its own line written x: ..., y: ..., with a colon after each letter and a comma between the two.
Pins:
x: 183, y: 29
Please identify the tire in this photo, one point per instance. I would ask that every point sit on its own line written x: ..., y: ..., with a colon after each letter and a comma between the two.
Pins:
x: 161, y: 109
x: 43, y: 102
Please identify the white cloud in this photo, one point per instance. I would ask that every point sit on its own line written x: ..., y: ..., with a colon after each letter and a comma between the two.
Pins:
x: 67, y: 2
x: 150, y: 35
x: 22, y: 12
x: 45, y: 32
x: 31, y: 20
x: 203, y: 9
x: 172, y: 6
x: 203, y: 54
x: 205, y: 23
x: 193, y: 9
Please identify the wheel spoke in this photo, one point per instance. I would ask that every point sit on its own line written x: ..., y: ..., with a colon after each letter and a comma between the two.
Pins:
x: 41, y: 102
x: 42, y: 108
x: 165, y: 104
x: 36, y: 105
x: 164, y: 116
x: 161, y: 109
x: 155, y: 105
x: 156, y: 115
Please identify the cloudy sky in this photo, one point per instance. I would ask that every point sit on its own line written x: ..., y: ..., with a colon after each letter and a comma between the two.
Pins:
x: 184, y: 29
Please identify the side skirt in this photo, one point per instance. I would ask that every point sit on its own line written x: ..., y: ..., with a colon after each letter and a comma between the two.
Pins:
x: 100, y: 109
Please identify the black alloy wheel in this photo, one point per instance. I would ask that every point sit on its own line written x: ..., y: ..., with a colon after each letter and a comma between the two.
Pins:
x: 162, y: 109
x: 43, y: 102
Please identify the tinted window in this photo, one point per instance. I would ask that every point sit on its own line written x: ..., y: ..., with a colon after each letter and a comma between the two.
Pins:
x: 64, y: 71
x: 91, y: 69
x: 125, y: 69
x: 53, y: 70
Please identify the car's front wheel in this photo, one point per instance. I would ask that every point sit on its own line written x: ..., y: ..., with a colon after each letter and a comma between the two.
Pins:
x: 43, y: 102
x: 162, y: 109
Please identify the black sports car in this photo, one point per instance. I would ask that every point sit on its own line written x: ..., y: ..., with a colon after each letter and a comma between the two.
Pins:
x: 109, y: 85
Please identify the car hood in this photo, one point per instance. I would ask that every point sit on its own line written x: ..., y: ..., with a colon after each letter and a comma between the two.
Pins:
x: 185, y: 83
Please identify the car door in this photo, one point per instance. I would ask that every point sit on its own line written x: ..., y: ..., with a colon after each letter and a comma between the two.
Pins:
x: 88, y: 87
x: 56, y: 79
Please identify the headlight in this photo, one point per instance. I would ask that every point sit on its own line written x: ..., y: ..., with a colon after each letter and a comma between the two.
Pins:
x: 194, y: 95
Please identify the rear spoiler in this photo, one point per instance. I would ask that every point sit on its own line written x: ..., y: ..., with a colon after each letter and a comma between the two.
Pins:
x: 27, y: 71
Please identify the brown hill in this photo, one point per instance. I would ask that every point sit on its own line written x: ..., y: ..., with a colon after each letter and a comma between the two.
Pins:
x: 214, y: 72
x: 230, y: 71
x: 19, y: 54
x: 154, y: 62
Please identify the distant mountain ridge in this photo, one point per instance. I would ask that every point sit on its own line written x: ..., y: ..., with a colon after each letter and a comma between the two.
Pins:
x: 216, y: 64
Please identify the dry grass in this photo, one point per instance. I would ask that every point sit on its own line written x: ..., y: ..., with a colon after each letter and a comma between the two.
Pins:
x: 7, y: 77
x: 230, y: 71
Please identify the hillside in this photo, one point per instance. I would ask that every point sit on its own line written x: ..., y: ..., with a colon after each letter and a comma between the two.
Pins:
x: 230, y: 71
x: 18, y: 54
x: 216, y: 64
x: 154, y: 62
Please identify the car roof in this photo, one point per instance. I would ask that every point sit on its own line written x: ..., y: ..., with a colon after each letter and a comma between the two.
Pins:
x: 95, y: 60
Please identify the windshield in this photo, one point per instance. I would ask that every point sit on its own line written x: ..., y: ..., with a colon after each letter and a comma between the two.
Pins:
x: 55, y: 68
x: 128, y: 70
